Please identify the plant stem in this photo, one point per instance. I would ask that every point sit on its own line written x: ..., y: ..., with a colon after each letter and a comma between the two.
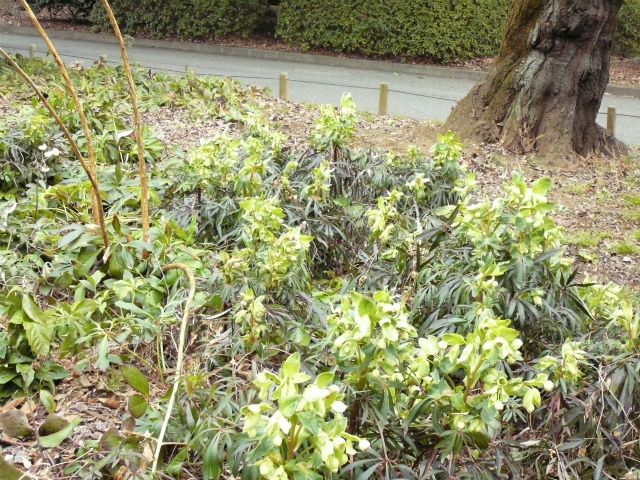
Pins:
x: 291, y: 444
x: 354, y: 414
x: 74, y: 146
x: 144, y: 186
x: 181, y: 347
x: 79, y: 107
x: 471, y: 381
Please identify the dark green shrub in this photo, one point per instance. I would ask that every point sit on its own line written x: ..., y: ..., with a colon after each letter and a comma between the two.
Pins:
x: 192, y: 19
x: 628, y: 34
x: 442, y: 30
x: 77, y: 8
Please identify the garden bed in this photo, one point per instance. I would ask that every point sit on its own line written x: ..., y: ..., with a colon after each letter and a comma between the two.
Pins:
x: 337, y: 253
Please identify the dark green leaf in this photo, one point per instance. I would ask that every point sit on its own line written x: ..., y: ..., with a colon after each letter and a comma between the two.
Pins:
x: 136, y: 379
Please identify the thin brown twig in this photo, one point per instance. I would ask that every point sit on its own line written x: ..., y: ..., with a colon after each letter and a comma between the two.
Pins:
x: 74, y: 146
x: 144, y: 186
x: 76, y: 99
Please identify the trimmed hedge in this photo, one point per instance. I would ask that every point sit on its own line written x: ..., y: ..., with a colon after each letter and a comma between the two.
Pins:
x: 77, y: 8
x: 443, y: 30
x: 189, y: 19
x: 628, y: 34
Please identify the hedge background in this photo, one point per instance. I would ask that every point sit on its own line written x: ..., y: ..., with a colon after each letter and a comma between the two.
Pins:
x: 628, y: 34
x: 188, y: 19
x: 441, y: 30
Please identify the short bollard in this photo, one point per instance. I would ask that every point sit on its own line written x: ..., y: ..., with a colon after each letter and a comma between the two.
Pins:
x: 611, y: 120
x: 383, y: 104
x: 32, y: 50
x: 284, y: 86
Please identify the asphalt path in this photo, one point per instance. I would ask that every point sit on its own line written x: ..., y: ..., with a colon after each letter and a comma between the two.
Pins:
x: 414, y: 96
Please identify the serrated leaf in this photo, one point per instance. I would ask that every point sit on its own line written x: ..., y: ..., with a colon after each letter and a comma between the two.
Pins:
x: 137, y: 406
x: 310, y: 422
x: 136, y: 379
x: 55, y: 439
x: 289, y: 405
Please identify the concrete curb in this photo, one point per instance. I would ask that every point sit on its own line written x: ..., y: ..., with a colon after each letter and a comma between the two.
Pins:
x: 315, y: 59
x: 622, y: 91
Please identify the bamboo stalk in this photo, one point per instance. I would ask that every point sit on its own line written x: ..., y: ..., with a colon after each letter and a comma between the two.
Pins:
x: 144, y: 186
x: 74, y: 95
x: 74, y: 146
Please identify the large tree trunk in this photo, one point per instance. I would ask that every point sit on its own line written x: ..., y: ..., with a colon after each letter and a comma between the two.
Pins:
x: 547, y: 85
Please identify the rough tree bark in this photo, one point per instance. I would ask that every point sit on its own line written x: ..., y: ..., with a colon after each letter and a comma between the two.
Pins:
x: 547, y: 85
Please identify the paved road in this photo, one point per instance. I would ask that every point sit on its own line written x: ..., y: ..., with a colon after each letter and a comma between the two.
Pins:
x: 429, y: 98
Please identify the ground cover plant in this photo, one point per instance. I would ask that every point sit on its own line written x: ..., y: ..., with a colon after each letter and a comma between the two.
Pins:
x: 321, y: 311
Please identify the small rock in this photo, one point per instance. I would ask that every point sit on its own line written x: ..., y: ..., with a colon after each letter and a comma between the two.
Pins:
x: 627, y: 259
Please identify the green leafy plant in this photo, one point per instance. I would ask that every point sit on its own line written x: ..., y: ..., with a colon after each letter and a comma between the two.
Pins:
x: 301, y: 432
x: 25, y: 346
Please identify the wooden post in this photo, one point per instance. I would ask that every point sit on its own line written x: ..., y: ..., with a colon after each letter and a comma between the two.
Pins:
x: 284, y: 86
x: 383, y: 104
x: 611, y: 120
x: 32, y: 50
